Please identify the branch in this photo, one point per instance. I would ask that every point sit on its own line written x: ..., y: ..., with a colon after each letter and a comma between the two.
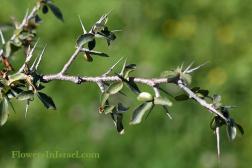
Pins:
x: 70, y: 61
x: 150, y: 82
x: 26, y: 19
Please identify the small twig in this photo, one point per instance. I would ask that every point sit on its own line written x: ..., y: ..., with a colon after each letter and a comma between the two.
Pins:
x: 70, y: 61
x: 202, y: 102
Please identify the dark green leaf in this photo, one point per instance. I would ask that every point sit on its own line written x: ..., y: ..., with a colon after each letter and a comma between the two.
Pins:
x: 139, y: 112
x: 118, y: 117
x: 26, y: 95
x: 84, y: 38
x: 46, y: 100
x: 4, y: 111
x: 91, y: 44
x: 128, y: 68
x: 195, y: 89
x: 56, y: 11
x: 231, y: 131
x: 38, y: 19
x: 182, y: 97
x: 121, y: 108
x: 240, y: 128
x: 97, y: 53
x: 45, y: 9
x: 203, y: 92
x: 130, y: 83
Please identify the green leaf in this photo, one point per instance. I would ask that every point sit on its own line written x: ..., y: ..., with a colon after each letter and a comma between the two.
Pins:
x: 46, y: 100
x: 91, y: 44
x: 104, y: 98
x: 203, y: 92
x: 108, y: 109
x: 97, y: 53
x: 25, y: 95
x: 118, y: 117
x: 16, y: 77
x: 84, y: 38
x: 231, y: 132
x: 121, y: 108
x: 239, y: 128
x: 56, y: 11
x: 144, y: 96
x: 162, y: 101
x: 195, y: 89
x: 115, y: 88
x: 182, y: 97
x: 139, y: 112
x: 38, y: 19
x: 130, y: 83
x: 45, y: 9
x: 4, y: 111
x: 128, y: 68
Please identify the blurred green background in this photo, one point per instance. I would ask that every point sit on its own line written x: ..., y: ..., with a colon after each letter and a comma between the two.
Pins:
x: 157, y: 35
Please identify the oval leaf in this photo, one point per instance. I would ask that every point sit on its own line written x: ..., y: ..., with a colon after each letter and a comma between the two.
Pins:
x: 162, y: 101
x: 139, y: 112
x: 115, y: 87
x: 84, y: 38
x: 56, y: 11
x: 46, y: 100
x: 144, y: 96
x: 231, y: 132
x: 182, y: 97
x: 4, y: 112
x: 104, y: 98
x: 25, y: 95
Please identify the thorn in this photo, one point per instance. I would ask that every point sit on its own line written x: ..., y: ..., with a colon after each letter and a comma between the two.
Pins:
x: 112, y: 67
x: 124, y: 64
x: 217, y: 132
x: 25, y: 18
x: 194, y: 69
x: 30, y: 52
x: 40, y: 58
x: 188, y: 67
x: 26, y: 107
x: 2, y: 37
x: 82, y: 26
x: 116, y: 31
